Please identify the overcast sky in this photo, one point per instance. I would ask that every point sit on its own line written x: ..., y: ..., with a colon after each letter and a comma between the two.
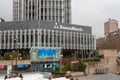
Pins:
x: 84, y: 12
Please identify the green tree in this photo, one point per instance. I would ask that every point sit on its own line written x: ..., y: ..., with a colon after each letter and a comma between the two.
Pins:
x: 81, y: 66
x: 7, y: 56
x: 67, y: 67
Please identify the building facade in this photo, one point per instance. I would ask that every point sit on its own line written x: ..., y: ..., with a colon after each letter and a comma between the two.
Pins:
x: 50, y: 10
x: 25, y: 34
x: 110, y: 26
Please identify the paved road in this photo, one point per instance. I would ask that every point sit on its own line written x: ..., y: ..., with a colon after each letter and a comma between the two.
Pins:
x: 100, y: 77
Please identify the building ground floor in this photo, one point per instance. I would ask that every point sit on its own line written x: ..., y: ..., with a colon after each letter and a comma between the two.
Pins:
x: 67, y: 53
x: 45, y: 65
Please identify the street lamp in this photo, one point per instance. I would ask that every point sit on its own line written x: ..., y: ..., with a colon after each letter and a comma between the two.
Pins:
x: 54, y: 56
x: 11, y: 57
x: 17, y: 51
x: 61, y: 63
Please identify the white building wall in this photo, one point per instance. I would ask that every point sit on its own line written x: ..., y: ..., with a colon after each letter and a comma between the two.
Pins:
x: 21, y: 44
x: 77, y: 40
x: 8, y: 44
x: 13, y: 39
x: 29, y: 41
x: 25, y: 39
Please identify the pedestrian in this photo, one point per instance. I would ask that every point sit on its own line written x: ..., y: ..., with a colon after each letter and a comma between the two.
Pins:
x: 5, y: 77
x: 77, y: 78
x: 71, y: 79
x: 21, y: 76
x: 49, y: 78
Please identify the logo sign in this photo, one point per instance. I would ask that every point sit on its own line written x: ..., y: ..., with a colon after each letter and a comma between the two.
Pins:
x: 67, y: 28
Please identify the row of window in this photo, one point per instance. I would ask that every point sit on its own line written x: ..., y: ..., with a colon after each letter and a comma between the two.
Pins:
x: 45, y: 38
x: 48, y: 38
x: 43, y: 2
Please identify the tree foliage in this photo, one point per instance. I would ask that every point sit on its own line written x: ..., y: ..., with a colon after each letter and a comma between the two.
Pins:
x: 81, y: 66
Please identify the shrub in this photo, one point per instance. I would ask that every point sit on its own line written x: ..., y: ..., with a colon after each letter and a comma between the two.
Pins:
x: 81, y: 66
x: 91, y: 60
x: 100, y: 56
x: 1, y: 57
x: 67, y: 66
x: 57, y: 72
x: 7, y: 56
x: 96, y: 59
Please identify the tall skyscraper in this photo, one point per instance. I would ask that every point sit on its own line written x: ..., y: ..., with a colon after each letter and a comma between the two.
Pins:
x: 110, y: 26
x: 50, y: 10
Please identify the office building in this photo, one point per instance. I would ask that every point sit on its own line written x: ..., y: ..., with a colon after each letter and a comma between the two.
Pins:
x: 51, y: 38
x: 50, y: 10
x: 46, y: 34
x: 110, y: 26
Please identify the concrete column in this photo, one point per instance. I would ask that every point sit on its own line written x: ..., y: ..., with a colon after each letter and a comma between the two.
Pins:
x: 60, y: 37
x: 29, y: 36
x: 48, y: 38
x: 21, y: 43
x: 38, y: 37
x: 52, y: 38
x: 12, y: 39
x: 25, y: 36
x: 44, y: 38
x: 8, y: 35
x: 70, y: 40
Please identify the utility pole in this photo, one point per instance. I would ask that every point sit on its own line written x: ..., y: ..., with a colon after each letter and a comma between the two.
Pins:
x: 17, y: 52
x: 11, y: 57
x: 61, y: 63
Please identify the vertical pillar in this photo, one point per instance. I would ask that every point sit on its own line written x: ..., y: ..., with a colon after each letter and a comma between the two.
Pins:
x: 29, y: 40
x: 64, y: 39
x: 52, y: 38
x: 71, y: 40
x: 44, y: 38
x: 74, y: 36
x: 60, y: 37
x: 48, y: 38
x: 21, y: 40
x: 38, y: 37
x: 33, y: 37
x: 25, y: 37
x: 12, y: 39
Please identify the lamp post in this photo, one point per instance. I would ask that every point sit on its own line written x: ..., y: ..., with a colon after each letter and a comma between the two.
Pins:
x: 11, y: 57
x: 17, y: 51
x: 54, y: 61
x: 61, y: 63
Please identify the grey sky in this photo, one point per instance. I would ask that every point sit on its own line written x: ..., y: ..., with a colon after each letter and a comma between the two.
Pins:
x: 84, y: 12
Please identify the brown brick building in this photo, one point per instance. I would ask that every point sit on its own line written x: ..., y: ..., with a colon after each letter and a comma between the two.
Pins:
x: 109, y: 42
x: 110, y: 26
